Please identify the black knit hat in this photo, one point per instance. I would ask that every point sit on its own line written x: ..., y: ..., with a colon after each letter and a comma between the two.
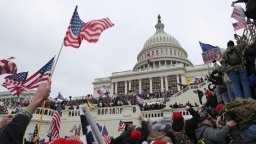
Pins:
x: 231, y: 43
x: 235, y: 35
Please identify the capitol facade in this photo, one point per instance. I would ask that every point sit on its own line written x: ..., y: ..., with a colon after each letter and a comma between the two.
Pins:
x: 169, y: 67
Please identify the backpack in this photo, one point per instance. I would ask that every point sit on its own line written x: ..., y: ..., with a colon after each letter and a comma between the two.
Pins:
x: 233, y: 57
x: 180, y: 137
x: 245, y: 109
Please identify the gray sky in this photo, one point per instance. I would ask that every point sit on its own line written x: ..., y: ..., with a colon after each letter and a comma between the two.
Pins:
x: 33, y: 31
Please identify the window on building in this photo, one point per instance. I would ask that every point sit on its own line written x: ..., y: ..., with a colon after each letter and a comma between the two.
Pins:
x: 156, y: 52
x: 152, y: 53
x: 170, y: 52
x: 174, y: 52
x: 134, y: 109
x: 165, y: 51
x: 161, y: 51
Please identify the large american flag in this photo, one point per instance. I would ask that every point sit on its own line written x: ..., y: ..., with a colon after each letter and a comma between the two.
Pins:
x: 238, y: 14
x: 105, y: 136
x: 79, y: 30
x: 40, y: 77
x: 238, y: 26
x: 14, y: 82
x: 55, y: 131
x: 121, y: 126
x: 7, y: 66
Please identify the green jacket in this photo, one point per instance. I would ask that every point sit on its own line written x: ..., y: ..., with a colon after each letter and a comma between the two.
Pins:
x: 239, y: 49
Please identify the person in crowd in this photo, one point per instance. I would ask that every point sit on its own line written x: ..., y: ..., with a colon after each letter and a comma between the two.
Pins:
x: 124, y: 135
x: 209, y: 135
x: 250, y: 55
x: 158, y: 133
x: 191, y: 124
x: 14, y: 131
x: 211, y: 101
x: 221, y: 87
x: 137, y: 137
x: 234, y: 64
x: 200, y: 95
x: 202, y: 112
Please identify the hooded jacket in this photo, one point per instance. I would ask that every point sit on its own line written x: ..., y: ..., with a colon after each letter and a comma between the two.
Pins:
x: 156, y: 135
x: 212, y: 136
x: 191, y: 124
x: 225, y: 60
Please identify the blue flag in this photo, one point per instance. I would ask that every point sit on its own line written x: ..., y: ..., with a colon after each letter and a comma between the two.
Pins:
x: 207, y: 47
x: 35, y: 132
x: 60, y: 97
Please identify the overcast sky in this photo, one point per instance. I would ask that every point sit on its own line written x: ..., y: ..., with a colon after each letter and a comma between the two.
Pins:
x: 33, y: 31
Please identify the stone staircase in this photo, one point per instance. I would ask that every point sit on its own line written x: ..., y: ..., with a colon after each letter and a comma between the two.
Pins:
x: 187, y: 95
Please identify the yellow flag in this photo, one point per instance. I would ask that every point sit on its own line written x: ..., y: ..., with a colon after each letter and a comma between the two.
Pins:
x: 90, y: 105
x: 189, y: 81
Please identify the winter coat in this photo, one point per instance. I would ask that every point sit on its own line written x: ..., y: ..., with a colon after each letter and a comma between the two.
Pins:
x: 250, y: 55
x: 217, y: 93
x: 121, y: 139
x: 143, y: 137
x: 191, y: 124
x: 156, y: 135
x: 212, y: 136
x: 211, y: 101
x: 225, y: 60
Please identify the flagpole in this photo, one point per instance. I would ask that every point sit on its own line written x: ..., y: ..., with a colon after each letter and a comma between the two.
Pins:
x: 41, y: 116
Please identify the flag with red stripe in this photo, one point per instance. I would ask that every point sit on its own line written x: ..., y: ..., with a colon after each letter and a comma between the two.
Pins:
x: 7, y: 66
x: 238, y: 14
x: 40, y: 77
x: 79, y: 30
x: 105, y: 136
x: 55, y: 131
x: 14, y: 83
x: 121, y: 126
x: 238, y: 26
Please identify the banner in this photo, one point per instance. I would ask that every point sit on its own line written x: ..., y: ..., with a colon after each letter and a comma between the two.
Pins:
x: 209, y: 56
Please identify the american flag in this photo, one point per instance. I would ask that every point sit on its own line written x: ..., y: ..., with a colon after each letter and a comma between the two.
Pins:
x: 14, y: 83
x: 150, y: 57
x: 79, y: 30
x: 99, y: 127
x: 77, y: 132
x: 7, y: 66
x: 35, y: 132
x: 56, y: 123
x: 40, y: 77
x: 105, y: 136
x: 238, y: 14
x: 238, y: 26
x: 121, y: 126
x: 60, y: 97
x: 73, y: 128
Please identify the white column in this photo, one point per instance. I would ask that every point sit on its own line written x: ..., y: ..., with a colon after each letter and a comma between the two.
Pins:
x: 178, y: 87
x: 183, y: 79
x: 125, y: 87
x: 166, y: 83
x: 130, y: 85
x: 154, y: 64
x: 159, y: 63
x: 162, y: 84
x: 150, y: 85
x: 112, y: 89
x: 139, y: 85
x: 165, y: 63
x: 115, y: 87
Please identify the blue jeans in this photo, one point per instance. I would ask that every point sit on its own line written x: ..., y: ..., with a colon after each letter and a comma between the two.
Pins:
x: 249, y: 135
x: 231, y: 93
x: 237, y: 77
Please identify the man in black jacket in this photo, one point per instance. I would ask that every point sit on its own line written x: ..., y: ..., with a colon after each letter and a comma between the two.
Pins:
x: 250, y: 7
x: 200, y: 95
x: 191, y: 124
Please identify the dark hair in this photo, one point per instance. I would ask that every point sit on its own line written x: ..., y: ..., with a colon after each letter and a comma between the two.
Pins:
x: 230, y: 43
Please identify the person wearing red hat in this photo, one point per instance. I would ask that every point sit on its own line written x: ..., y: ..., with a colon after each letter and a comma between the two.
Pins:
x: 137, y: 137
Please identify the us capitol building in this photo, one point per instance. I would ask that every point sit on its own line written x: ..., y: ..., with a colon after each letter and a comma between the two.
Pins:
x: 169, y: 67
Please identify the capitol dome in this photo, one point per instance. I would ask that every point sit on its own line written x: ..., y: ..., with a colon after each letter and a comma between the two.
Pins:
x: 164, y: 48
